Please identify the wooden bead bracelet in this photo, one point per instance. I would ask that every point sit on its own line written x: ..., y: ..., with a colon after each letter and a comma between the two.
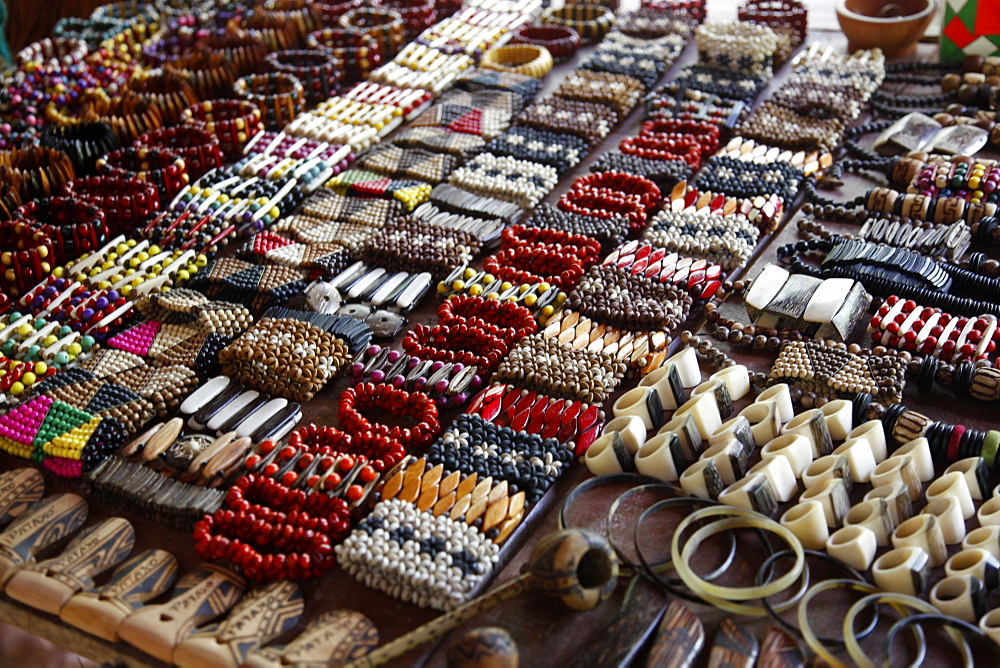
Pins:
x: 620, y: 92
x: 233, y: 122
x: 164, y: 168
x: 558, y: 150
x: 536, y: 264
x: 588, y: 120
x: 83, y: 142
x: 359, y: 55
x: 319, y: 72
x: 199, y: 149
x: 591, y: 22
x: 619, y: 182
x: 280, y: 97
x: 386, y: 26
x: 210, y: 75
x: 75, y: 226
x: 168, y: 91
x: 35, y: 171
x: 561, y: 371
x: 530, y: 59
x: 599, y: 205
x: 355, y: 401
x: 562, y: 42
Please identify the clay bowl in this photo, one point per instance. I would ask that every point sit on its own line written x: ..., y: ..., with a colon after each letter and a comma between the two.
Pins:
x: 894, y: 26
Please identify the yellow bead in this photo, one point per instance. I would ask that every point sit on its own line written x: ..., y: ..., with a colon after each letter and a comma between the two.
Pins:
x: 469, y: 273
x: 49, y: 340
x: 59, y: 272
x: 476, y: 290
x: 41, y: 368
x: 17, y: 388
x: 443, y: 289
x: 530, y: 300
x: 974, y: 182
x: 28, y: 378
x: 458, y: 285
x: 126, y: 290
x: 183, y: 275
x: 24, y: 330
x: 74, y: 349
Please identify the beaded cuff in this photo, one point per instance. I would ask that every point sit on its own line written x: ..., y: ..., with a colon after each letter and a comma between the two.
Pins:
x: 742, y: 179
x: 590, y: 121
x: 610, y: 232
x: 641, y: 67
x: 410, y: 245
x: 414, y: 163
x: 725, y: 240
x: 522, y: 182
x: 361, y: 183
x: 440, y: 140
x: 665, y: 173
x: 617, y: 297
x: 475, y: 79
x: 558, y: 370
x: 620, y: 92
x: 832, y: 372
x: 557, y: 150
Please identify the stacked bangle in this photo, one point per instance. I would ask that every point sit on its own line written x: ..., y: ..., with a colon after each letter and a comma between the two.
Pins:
x: 128, y: 117
x: 75, y: 226
x: 84, y: 143
x: 28, y: 256
x: 385, y: 26
x: 591, y: 22
x: 244, y: 50
x: 233, y: 122
x: 418, y: 15
x: 280, y: 97
x: 164, y: 168
x: 359, y: 54
x: 317, y: 71
x: 530, y: 59
x: 35, y: 171
x: 199, y: 149
x: 562, y: 42
x: 168, y: 91
x: 127, y: 203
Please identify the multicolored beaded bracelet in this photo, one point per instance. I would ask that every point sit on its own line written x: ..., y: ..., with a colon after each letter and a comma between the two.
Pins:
x: 162, y: 167
x: 75, y: 225
x: 199, y: 149
x: 233, y: 122
x: 280, y: 97
x: 28, y: 257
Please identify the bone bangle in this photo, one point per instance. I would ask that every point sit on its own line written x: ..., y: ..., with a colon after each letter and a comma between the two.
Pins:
x: 859, y: 458
x: 687, y: 431
x: 976, y: 562
x: 920, y: 450
x: 960, y: 596
x: 803, y: 614
x: 764, y: 421
x: 898, y: 497
x: 873, y: 432
x: 832, y: 493
x: 899, y: 602
x: 987, y: 538
x: 737, y: 428
x: 779, y: 472
x: 853, y: 545
x: 948, y: 511
x: 812, y: 425
x: 923, y: 531
x: 989, y: 513
x: 643, y: 402
x: 752, y: 492
x: 737, y: 380
x: 807, y: 520
x: 898, y: 469
x: 795, y: 448
x: 667, y: 383
x: 837, y: 414
x: 825, y: 468
x: 730, y: 458
x: 719, y: 391
x: 631, y: 429
x: 702, y: 479
x: 686, y: 361
x: 977, y: 475
x: 750, y: 520
x: 953, y: 484
x: 609, y: 454
x: 661, y: 457
x: 782, y: 398
x: 705, y: 412
x: 904, y: 570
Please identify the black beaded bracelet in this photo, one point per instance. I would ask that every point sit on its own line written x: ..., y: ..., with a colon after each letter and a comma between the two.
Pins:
x: 645, y: 68
x: 610, y: 232
x: 665, y: 173
x: 739, y: 178
x: 556, y: 149
x: 726, y: 84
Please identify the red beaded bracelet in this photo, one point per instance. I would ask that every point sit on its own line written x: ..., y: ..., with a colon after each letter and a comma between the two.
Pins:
x: 664, y: 148
x: 76, y: 226
x: 536, y: 264
x: 706, y: 134
x: 359, y: 54
x: 162, y: 167
x: 417, y: 15
x: 505, y: 319
x: 386, y: 398
x: 587, y: 248
x: 233, y: 122
x: 562, y: 41
x: 201, y: 150
x: 319, y: 71
x: 26, y: 258
x: 453, y: 344
x: 381, y: 452
x: 605, y: 207
x: 127, y: 203
x: 621, y: 182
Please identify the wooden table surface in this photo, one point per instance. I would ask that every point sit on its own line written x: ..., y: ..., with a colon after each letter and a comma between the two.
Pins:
x: 547, y: 634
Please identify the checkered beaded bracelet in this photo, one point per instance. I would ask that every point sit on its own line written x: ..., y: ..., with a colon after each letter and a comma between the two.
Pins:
x: 522, y: 182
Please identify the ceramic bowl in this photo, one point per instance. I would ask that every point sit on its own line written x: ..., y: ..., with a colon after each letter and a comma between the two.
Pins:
x: 895, y: 26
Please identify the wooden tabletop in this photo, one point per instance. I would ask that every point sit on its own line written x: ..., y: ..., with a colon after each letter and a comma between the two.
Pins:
x: 546, y: 633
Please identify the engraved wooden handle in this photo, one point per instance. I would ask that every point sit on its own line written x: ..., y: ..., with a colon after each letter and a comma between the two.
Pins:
x: 46, y: 522
x: 19, y: 490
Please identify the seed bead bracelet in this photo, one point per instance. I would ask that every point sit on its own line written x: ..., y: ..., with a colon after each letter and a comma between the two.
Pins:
x: 561, y: 42
x: 355, y: 401
x: 590, y: 121
x: 162, y: 167
x: 233, y: 122
x: 298, y: 530
x: 84, y: 143
x: 280, y: 97
x: 530, y: 59
x: 439, y: 570
x: 35, y: 171
x: 560, y: 371
x: 591, y: 22
x: 621, y: 93
x: 318, y: 72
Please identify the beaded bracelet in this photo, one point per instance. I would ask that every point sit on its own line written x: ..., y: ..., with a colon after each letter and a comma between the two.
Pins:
x: 329, y: 12
x: 659, y: 147
x: 84, y: 143
x: 414, y: 163
x: 522, y: 182
x: 744, y: 47
x: 449, y: 198
x: 233, y: 122
x: 28, y: 256
x: 609, y: 232
x: 243, y: 49
x: 440, y: 140
x: 75, y: 226
x: 647, y: 24
x: 411, y: 245
x: 588, y: 120
x: 475, y: 79
x: 621, y: 93
x: 557, y: 150
x: 742, y: 179
x: 600, y: 205
x: 665, y: 173
x: 532, y: 60
x: 168, y: 91
x: 210, y: 75
x: 641, y: 303
x: 641, y: 67
x: 416, y: 405
x: 128, y: 116
x: 726, y: 83
x: 561, y: 42
x: 91, y: 31
x: 470, y: 346
x: 454, y: 574
x: 273, y: 29
x: 319, y: 73
x: 35, y: 171
x: 280, y: 97
x: 52, y: 53
x: 632, y: 187
x: 591, y: 22
x: 361, y: 183
x: 418, y: 15
x: 199, y: 149
x: 777, y: 125
x: 127, y: 203
x: 561, y: 371
x: 164, y: 168
x: 788, y: 16
x: 726, y: 240
x: 359, y: 55
x: 384, y: 25
x: 486, y: 123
